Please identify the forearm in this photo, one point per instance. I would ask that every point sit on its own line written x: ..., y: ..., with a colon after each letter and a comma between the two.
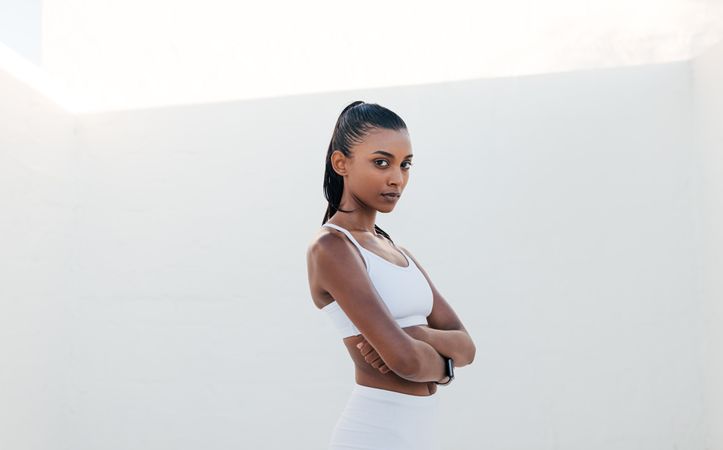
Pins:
x: 428, y: 364
x: 455, y: 344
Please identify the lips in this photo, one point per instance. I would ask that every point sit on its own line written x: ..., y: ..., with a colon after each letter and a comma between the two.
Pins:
x: 391, y: 194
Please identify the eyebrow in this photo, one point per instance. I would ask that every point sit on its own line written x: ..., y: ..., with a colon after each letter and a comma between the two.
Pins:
x: 382, y: 152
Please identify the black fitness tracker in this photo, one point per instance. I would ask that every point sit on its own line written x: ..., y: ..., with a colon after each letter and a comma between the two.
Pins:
x: 449, y: 370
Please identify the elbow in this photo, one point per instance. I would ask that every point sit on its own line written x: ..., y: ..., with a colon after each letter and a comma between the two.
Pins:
x: 468, y: 359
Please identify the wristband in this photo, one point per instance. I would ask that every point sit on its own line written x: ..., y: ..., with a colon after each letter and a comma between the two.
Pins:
x: 449, y: 370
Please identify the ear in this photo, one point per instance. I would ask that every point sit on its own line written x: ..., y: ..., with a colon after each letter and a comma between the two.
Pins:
x: 339, y: 162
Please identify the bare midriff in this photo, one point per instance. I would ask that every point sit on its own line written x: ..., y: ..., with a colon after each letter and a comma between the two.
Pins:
x: 367, y: 375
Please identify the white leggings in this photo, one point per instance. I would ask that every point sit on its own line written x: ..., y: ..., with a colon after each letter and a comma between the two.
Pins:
x: 379, y: 419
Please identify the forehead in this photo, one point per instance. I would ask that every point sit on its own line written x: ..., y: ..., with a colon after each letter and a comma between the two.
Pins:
x: 392, y: 141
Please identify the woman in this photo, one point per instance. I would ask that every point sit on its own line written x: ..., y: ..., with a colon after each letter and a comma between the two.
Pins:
x: 402, y: 335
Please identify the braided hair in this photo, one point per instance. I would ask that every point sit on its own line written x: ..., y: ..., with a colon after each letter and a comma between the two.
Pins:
x: 355, y: 120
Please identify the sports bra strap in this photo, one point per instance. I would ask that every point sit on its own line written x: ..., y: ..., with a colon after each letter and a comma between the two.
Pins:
x: 351, y: 238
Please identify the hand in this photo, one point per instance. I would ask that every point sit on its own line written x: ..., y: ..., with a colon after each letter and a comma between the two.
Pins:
x: 371, y: 356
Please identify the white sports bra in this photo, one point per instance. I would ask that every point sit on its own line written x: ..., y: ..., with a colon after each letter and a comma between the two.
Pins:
x: 404, y: 290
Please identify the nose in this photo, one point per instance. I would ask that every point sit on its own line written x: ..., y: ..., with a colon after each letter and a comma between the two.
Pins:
x: 396, y: 178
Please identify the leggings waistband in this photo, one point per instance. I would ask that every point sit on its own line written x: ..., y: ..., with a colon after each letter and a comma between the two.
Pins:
x: 394, y: 396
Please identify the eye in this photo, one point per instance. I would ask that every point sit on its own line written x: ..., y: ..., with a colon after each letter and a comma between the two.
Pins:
x: 387, y: 163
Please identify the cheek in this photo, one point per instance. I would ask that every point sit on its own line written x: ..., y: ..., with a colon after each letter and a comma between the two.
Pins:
x: 373, y: 176
x: 367, y: 181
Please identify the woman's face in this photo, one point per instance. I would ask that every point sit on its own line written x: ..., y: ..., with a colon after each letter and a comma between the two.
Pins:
x: 379, y: 165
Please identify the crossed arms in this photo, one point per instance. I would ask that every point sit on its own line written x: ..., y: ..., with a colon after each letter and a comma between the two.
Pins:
x: 445, y: 334
x: 413, y: 353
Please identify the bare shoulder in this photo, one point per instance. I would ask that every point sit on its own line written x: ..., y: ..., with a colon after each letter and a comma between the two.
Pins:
x: 315, y: 240
x: 326, y: 246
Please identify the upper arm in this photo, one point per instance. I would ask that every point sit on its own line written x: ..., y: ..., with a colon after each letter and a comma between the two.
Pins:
x: 442, y: 316
x: 339, y: 270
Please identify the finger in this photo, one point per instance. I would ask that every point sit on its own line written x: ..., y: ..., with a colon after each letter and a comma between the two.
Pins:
x: 384, y: 369
x: 366, y: 350
x: 372, y: 356
x: 377, y: 364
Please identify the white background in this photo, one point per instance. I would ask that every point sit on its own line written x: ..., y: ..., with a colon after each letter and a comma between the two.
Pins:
x: 153, y: 288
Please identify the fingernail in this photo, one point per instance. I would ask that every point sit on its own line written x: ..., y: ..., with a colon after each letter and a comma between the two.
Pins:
x: 359, y: 345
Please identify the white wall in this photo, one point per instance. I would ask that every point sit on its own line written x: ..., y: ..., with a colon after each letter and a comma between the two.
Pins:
x: 164, y: 272
x: 39, y: 196
x: 181, y: 52
x: 708, y: 70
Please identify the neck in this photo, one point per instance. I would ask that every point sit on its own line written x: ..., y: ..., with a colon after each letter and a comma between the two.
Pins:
x: 355, y: 221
